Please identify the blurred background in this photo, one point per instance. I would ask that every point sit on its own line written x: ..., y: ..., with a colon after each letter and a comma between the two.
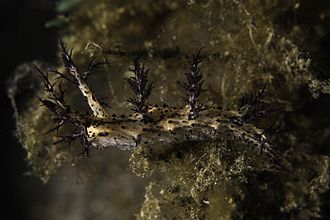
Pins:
x: 23, y: 38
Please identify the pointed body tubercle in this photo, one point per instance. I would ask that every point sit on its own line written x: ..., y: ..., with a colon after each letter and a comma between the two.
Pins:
x: 94, y: 104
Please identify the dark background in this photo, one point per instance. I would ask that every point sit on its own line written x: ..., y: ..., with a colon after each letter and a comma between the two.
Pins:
x: 23, y: 38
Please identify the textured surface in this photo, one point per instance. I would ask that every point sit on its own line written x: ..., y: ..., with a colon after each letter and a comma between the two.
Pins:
x: 245, y: 45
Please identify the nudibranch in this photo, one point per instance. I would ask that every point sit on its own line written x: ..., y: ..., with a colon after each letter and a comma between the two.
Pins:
x: 157, y: 126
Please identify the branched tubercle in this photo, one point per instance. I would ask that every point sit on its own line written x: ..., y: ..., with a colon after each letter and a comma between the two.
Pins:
x: 140, y: 86
x: 193, y: 85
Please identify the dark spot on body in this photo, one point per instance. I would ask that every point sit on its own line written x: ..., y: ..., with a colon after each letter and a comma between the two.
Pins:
x: 103, y: 134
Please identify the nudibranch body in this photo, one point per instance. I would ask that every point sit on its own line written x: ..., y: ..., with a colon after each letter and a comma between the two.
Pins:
x: 160, y: 127
x: 169, y: 126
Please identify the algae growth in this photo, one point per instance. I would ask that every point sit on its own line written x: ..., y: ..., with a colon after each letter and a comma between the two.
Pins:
x: 245, y: 45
